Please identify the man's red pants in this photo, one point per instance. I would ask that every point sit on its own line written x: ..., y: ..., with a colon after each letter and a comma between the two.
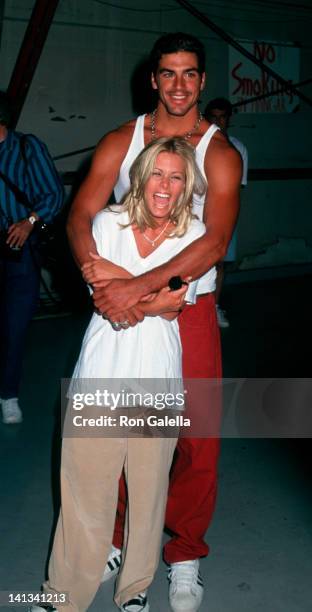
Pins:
x: 193, y: 480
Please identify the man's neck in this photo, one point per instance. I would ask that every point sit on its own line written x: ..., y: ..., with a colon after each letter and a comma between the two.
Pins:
x: 175, y: 125
x: 3, y: 133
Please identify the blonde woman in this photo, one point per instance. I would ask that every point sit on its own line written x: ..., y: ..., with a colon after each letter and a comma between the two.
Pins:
x: 153, y: 224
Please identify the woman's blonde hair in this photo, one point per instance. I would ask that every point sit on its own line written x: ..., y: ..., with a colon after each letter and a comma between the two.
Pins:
x: 141, y: 170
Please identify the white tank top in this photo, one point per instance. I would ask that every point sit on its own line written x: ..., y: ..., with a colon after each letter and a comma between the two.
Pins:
x: 206, y: 283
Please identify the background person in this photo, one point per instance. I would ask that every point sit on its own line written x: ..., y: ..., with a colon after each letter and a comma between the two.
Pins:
x: 219, y: 111
x: 25, y: 163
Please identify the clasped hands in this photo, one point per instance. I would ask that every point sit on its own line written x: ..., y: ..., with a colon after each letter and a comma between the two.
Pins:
x: 111, y: 291
x: 117, y: 297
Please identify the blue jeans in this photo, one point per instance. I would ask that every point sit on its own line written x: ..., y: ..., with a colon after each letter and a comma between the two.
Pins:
x: 19, y: 294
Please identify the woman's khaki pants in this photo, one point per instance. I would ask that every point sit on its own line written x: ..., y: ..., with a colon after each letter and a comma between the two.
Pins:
x: 90, y: 473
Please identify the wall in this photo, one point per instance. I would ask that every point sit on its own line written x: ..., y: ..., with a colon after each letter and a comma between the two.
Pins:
x: 81, y: 90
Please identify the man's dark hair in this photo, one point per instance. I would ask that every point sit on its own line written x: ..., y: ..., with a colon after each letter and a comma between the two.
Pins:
x: 5, y: 109
x: 219, y: 104
x: 174, y: 42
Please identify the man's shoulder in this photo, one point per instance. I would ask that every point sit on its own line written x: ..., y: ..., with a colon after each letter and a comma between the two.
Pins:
x: 122, y: 133
x: 223, y: 163
x: 27, y: 137
x: 238, y: 144
x: 21, y: 138
x: 30, y: 143
x: 220, y: 148
x: 117, y: 141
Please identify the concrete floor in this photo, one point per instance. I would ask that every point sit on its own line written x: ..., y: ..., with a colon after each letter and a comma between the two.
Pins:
x: 260, y: 539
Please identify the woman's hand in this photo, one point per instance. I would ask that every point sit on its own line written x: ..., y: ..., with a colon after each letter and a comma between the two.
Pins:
x: 170, y: 301
x: 99, y: 271
x: 166, y: 303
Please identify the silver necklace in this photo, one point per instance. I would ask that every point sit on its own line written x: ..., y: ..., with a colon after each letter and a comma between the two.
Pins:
x: 152, y: 242
x: 186, y: 136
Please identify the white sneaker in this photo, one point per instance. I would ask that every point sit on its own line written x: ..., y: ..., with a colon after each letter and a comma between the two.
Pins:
x: 186, y: 588
x: 221, y: 317
x: 138, y: 604
x: 11, y: 412
x: 112, y: 566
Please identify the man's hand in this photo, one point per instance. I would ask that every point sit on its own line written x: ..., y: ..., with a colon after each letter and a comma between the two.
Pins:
x: 19, y: 232
x: 117, y: 297
x: 129, y: 318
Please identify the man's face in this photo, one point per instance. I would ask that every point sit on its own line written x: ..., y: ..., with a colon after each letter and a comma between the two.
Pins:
x: 178, y: 82
x: 220, y: 118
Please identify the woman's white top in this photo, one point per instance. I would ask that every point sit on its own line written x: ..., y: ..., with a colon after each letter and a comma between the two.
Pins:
x: 151, y: 349
x: 207, y: 283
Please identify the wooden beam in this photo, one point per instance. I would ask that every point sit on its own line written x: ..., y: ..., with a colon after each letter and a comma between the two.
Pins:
x: 29, y: 54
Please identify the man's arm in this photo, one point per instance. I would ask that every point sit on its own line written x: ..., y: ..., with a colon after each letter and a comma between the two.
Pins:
x: 223, y: 169
x: 95, y: 191
x: 44, y: 189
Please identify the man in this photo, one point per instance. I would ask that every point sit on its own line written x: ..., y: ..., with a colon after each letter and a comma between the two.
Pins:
x: 219, y: 111
x: 26, y: 172
x: 178, y: 76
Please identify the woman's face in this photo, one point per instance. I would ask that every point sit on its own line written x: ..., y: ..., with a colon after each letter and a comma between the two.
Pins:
x: 165, y: 185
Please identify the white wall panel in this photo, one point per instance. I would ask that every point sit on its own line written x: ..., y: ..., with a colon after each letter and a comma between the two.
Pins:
x: 83, y: 78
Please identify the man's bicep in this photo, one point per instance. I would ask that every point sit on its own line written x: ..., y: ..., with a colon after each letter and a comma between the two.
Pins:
x: 93, y: 196
x: 96, y: 189
x: 224, y: 170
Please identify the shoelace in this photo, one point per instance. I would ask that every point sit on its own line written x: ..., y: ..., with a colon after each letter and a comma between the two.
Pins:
x: 186, y: 574
x: 139, y: 600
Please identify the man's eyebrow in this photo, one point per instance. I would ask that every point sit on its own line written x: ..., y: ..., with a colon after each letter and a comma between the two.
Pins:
x: 191, y: 69
x: 165, y: 70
